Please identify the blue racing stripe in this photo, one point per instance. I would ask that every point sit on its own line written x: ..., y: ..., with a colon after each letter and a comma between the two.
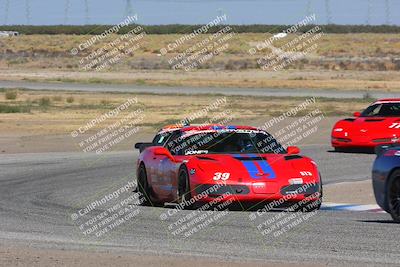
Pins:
x: 266, y: 168
x: 249, y: 165
x: 251, y: 169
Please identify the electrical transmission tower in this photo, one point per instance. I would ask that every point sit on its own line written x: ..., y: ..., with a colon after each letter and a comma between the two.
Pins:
x: 308, y: 8
x: 387, y: 11
x: 369, y: 7
x: 28, y: 12
x: 328, y: 11
x: 87, y: 21
x: 6, y: 9
x: 66, y: 11
x: 128, y: 8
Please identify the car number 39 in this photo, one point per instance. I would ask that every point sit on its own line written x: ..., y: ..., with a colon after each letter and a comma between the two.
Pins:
x: 221, y: 176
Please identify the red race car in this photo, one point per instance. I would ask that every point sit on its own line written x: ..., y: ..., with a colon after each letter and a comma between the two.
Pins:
x: 377, y: 125
x: 189, y: 165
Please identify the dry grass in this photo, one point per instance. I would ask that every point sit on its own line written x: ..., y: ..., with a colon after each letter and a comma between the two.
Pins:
x: 335, y: 51
x: 62, y: 117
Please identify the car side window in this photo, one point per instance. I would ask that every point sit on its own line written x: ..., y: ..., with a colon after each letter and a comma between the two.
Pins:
x: 372, y: 111
x: 173, y: 142
x: 161, y: 138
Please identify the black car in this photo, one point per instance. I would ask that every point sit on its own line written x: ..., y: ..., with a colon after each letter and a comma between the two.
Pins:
x: 386, y: 179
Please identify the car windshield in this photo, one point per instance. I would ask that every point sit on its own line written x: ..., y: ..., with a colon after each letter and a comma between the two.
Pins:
x: 382, y: 110
x: 224, y: 142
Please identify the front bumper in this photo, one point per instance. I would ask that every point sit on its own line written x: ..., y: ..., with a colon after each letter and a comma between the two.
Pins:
x: 256, y: 192
x: 361, y: 142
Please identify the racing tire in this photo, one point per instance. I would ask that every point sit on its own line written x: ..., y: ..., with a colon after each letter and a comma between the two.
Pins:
x: 393, y: 195
x: 315, y: 204
x: 184, y: 194
x: 143, y: 186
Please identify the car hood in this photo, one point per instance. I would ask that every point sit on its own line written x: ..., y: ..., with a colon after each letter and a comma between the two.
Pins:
x: 257, y: 167
x: 370, y: 125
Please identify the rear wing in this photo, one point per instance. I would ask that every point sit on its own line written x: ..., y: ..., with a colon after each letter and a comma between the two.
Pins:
x: 142, y: 146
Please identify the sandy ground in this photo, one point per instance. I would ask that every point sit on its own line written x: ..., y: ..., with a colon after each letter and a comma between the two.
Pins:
x: 350, y: 192
x: 25, y: 256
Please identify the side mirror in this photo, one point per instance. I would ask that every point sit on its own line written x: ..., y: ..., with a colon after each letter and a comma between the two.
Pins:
x: 293, y: 150
x: 162, y: 151
x: 357, y: 114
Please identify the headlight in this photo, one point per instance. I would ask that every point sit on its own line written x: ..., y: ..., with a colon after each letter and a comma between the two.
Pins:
x: 338, y: 130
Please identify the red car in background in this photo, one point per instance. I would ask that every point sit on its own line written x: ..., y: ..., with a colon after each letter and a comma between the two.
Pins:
x: 237, y: 163
x: 377, y: 125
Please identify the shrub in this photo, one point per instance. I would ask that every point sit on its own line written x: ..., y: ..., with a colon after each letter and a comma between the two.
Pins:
x: 44, y: 102
x: 11, y: 94
x: 70, y: 99
x: 14, y: 109
x: 57, y: 98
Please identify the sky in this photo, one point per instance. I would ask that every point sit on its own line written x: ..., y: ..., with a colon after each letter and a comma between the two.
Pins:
x: 152, y: 12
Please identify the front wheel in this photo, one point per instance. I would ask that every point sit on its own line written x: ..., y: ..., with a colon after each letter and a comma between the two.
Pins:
x: 393, y: 196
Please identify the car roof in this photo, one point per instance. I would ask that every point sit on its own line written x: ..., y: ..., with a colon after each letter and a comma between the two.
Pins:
x: 204, y: 127
x: 387, y: 100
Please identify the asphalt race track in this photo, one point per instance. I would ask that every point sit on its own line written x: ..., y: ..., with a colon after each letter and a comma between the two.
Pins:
x: 39, y: 192
x: 293, y: 92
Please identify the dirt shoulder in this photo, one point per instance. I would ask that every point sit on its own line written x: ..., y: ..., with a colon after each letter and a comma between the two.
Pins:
x: 350, y: 192
x: 26, y: 256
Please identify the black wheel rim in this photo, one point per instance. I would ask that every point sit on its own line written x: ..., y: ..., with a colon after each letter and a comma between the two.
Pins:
x: 394, y: 197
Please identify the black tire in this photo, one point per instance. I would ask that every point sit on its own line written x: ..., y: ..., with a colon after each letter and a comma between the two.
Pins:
x: 143, y: 186
x: 393, y: 195
x: 184, y: 195
x: 339, y: 149
x: 315, y: 204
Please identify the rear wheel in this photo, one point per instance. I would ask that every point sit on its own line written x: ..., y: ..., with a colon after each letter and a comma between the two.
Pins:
x: 184, y: 195
x: 393, y: 196
x: 143, y: 186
